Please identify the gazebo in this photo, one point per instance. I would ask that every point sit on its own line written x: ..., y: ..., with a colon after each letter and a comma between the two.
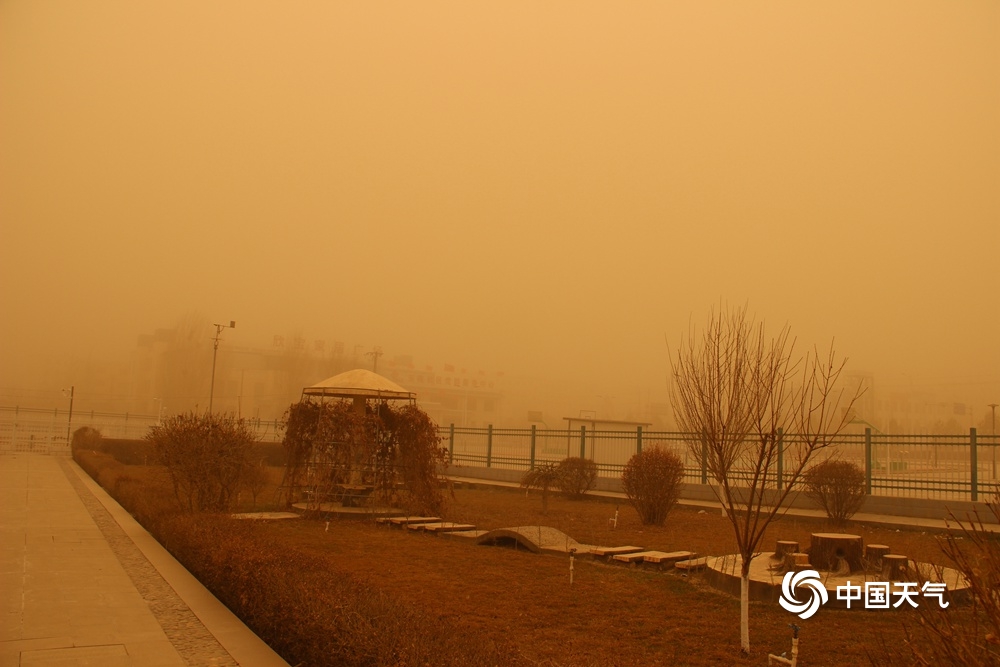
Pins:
x: 359, y: 385
x: 350, y: 487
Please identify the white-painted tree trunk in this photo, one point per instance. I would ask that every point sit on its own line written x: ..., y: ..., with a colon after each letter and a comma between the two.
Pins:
x: 745, y: 613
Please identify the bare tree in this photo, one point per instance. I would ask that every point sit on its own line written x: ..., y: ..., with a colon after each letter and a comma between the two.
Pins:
x: 542, y: 477
x: 735, y: 392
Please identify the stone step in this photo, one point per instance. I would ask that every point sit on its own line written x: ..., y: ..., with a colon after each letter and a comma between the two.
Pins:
x: 609, y: 552
x: 691, y: 564
x: 660, y: 558
x: 440, y: 527
x: 634, y: 557
x: 406, y: 520
x: 471, y: 535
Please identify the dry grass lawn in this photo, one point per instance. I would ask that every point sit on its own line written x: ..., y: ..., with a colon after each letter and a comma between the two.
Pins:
x: 611, y: 615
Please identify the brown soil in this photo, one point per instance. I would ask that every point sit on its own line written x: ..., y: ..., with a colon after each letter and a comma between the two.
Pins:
x: 611, y: 615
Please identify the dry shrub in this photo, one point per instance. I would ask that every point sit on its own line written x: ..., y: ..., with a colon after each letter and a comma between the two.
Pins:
x: 576, y: 476
x: 966, y: 635
x: 308, y: 612
x: 207, y: 456
x: 143, y: 492
x: 129, y: 452
x: 651, y: 481
x: 86, y: 437
x: 837, y: 487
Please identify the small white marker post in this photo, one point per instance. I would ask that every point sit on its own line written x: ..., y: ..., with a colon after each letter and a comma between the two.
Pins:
x: 327, y: 527
x: 572, y: 558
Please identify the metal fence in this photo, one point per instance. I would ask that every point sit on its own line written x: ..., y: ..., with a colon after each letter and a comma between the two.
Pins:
x: 50, y: 431
x: 945, y: 467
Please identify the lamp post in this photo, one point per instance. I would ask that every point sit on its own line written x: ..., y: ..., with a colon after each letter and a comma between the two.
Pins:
x: 215, y: 353
x: 69, y: 420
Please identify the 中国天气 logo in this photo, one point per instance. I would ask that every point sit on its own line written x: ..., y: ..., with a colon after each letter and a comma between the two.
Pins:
x: 810, y: 580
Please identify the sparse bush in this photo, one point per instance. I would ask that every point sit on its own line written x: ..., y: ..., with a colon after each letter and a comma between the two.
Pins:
x: 576, y: 476
x: 256, y: 480
x: 271, y: 453
x: 837, y: 487
x: 86, y: 437
x: 968, y: 636
x: 543, y: 477
x: 207, y: 456
x: 651, y: 482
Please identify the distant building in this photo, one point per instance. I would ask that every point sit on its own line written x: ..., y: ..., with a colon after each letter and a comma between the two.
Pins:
x: 449, y: 394
x: 174, y: 370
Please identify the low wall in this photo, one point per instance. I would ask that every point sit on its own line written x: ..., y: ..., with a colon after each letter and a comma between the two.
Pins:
x: 904, y: 507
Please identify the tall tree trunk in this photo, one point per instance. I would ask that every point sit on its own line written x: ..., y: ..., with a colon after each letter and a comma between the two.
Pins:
x: 745, y: 612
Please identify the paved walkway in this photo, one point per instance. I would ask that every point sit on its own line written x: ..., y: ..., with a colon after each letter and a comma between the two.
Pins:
x: 83, y: 584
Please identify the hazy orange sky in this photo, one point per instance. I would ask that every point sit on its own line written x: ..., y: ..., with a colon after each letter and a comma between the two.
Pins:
x: 543, y: 188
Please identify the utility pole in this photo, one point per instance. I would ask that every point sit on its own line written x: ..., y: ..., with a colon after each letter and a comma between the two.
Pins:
x: 69, y: 421
x: 993, y: 430
x: 215, y: 353
x: 375, y: 354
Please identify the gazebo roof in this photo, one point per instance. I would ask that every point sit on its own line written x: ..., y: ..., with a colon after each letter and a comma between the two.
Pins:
x: 359, y: 383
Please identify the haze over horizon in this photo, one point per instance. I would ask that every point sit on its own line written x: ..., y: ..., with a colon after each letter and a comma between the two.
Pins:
x: 552, y: 190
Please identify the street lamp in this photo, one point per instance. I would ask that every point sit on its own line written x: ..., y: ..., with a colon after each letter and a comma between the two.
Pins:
x: 215, y: 353
x: 69, y: 421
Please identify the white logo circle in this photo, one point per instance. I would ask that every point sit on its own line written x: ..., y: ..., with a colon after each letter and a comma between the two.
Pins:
x: 805, y: 578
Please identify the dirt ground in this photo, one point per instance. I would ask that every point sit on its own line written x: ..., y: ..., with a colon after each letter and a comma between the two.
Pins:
x: 611, y: 615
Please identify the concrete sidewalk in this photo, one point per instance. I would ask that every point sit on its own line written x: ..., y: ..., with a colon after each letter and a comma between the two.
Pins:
x: 83, y: 584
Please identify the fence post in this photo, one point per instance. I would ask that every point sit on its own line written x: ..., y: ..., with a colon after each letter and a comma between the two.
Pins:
x: 868, y: 461
x: 489, y: 445
x: 638, y: 440
x: 532, y: 464
x: 704, y: 462
x: 583, y: 442
x: 451, y: 444
x: 781, y: 457
x: 974, y: 462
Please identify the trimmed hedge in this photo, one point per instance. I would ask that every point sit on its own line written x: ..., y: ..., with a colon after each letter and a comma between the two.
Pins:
x: 306, y: 608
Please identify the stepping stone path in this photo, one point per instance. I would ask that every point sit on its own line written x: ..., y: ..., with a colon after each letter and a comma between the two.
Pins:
x: 440, y: 527
x: 434, y: 524
x: 692, y: 564
x: 607, y: 553
x: 404, y: 520
x: 658, y: 558
x: 538, y: 539
x: 463, y: 534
